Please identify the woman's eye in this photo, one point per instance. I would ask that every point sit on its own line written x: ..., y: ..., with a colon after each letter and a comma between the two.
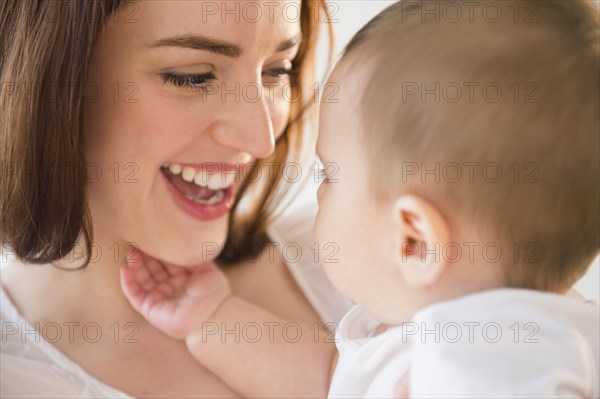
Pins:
x: 277, y: 74
x: 191, y: 82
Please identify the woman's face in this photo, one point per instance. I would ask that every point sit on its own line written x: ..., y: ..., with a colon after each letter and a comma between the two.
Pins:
x: 180, y: 95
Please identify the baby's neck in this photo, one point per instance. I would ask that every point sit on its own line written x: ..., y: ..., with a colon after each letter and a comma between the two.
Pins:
x: 454, y: 284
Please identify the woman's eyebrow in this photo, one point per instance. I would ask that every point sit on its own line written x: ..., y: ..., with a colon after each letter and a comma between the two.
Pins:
x: 215, y: 46
x: 289, y: 43
x: 198, y: 42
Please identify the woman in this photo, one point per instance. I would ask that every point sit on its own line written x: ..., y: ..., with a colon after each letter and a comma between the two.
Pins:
x: 113, y: 113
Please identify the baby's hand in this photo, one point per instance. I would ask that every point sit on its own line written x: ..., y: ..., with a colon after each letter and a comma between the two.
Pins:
x: 176, y: 300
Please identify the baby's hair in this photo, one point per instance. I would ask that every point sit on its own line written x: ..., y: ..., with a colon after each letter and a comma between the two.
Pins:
x: 494, y: 117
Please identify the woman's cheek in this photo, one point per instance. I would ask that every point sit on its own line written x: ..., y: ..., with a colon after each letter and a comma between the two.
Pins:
x: 279, y: 108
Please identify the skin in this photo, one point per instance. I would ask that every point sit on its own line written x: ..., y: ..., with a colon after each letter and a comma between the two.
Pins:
x: 346, y: 215
x: 192, y: 304
x: 187, y: 303
x: 177, y: 124
x: 166, y: 124
x: 390, y: 280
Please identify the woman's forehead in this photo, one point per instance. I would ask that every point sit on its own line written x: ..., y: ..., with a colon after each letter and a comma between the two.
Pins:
x: 255, y: 25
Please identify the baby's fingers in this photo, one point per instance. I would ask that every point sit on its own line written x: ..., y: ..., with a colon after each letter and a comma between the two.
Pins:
x: 154, y: 267
x: 137, y: 265
x: 131, y: 288
x: 136, y: 281
x: 174, y: 270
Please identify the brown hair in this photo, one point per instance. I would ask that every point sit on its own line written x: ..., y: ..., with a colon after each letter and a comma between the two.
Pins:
x: 43, y: 206
x: 553, y: 204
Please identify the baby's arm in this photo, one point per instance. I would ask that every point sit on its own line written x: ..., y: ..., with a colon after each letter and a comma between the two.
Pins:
x: 250, y: 349
x: 246, y: 346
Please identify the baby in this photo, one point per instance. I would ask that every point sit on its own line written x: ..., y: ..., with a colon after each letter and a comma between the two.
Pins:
x: 465, y: 206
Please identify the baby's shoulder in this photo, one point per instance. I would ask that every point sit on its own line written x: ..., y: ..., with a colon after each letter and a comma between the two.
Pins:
x: 511, y: 342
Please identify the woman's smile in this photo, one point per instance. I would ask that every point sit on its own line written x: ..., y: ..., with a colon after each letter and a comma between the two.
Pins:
x: 172, y: 158
x: 205, y: 191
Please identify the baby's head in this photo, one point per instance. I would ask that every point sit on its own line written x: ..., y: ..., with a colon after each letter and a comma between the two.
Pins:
x: 462, y: 153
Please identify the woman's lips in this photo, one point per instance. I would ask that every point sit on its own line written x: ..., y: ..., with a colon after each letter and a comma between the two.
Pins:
x: 199, y: 211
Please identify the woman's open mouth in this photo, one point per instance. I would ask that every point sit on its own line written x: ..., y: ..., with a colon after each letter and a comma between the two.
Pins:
x: 204, y: 191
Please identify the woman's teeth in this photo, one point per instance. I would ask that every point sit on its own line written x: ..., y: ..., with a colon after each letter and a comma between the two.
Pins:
x: 174, y: 168
x: 218, y: 197
x: 214, y: 181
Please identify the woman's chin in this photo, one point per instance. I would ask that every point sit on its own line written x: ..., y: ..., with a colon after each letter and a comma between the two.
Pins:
x: 189, y: 254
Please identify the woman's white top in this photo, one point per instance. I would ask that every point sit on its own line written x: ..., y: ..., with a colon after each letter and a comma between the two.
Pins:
x: 31, y: 367
x: 505, y: 343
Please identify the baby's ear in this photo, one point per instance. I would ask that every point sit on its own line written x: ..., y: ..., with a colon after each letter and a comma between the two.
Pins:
x: 421, y: 232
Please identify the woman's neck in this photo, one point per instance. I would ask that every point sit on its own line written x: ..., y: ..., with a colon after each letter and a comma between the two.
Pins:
x: 49, y: 294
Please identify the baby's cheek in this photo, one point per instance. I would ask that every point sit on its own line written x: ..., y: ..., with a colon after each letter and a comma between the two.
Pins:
x: 325, y: 226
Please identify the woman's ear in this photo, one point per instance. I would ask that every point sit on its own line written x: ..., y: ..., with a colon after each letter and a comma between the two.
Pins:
x: 421, y: 232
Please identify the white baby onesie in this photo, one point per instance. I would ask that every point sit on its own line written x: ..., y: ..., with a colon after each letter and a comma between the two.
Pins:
x: 499, y: 343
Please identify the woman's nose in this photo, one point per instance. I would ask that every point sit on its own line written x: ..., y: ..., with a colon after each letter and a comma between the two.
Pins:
x: 245, y: 124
